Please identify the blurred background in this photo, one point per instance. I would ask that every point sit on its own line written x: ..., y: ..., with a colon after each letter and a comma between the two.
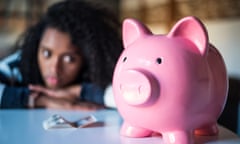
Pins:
x: 221, y: 17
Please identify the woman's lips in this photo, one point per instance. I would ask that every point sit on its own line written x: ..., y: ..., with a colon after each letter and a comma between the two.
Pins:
x: 52, y: 80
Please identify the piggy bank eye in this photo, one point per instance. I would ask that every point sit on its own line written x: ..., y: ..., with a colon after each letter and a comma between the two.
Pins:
x: 159, y: 60
x: 124, y: 59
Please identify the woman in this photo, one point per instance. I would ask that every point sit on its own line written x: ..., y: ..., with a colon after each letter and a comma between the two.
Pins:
x: 65, y: 61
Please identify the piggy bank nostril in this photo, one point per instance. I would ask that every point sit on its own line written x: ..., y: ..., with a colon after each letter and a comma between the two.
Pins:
x: 141, y: 90
x: 145, y: 91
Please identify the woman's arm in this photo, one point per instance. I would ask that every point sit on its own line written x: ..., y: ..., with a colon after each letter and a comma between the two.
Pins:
x: 10, y: 95
x: 13, y: 97
x: 92, y: 93
x: 81, y: 97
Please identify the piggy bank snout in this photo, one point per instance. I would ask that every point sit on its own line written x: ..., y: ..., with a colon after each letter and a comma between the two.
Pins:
x: 138, y: 87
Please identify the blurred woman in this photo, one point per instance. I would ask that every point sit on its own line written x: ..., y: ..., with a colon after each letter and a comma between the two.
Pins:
x: 65, y: 61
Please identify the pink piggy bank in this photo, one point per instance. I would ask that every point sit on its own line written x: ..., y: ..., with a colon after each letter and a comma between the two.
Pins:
x: 174, y: 84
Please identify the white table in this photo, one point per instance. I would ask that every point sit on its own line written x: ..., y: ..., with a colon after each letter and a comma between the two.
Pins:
x: 25, y: 127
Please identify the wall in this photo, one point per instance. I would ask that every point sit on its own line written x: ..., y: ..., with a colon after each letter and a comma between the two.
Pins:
x: 225, y: 35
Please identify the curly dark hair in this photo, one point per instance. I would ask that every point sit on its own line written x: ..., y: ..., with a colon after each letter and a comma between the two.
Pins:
x: 94, y: 30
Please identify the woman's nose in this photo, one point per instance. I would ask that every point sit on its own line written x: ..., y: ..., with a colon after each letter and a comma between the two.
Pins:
x: 54, y: 65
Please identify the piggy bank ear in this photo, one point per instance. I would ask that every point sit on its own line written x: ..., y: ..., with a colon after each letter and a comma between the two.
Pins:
x: 192, y: 28
x: 132, y: 30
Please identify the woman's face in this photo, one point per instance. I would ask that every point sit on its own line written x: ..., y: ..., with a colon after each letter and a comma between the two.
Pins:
x: 59, y: 60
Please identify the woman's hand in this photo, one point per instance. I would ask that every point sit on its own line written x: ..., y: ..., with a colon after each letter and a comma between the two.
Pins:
x: 70, y: 93
x: 66, y: 98
x: 59, y: 103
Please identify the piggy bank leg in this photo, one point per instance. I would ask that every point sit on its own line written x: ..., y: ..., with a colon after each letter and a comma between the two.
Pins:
x: 178, y: 137
x: 207, y: 130
x: 131, y: 131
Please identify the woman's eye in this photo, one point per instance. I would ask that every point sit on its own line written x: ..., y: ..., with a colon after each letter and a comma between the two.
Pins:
x: 159, y: 60
x: 68, y: 59
x: 46, y: 53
